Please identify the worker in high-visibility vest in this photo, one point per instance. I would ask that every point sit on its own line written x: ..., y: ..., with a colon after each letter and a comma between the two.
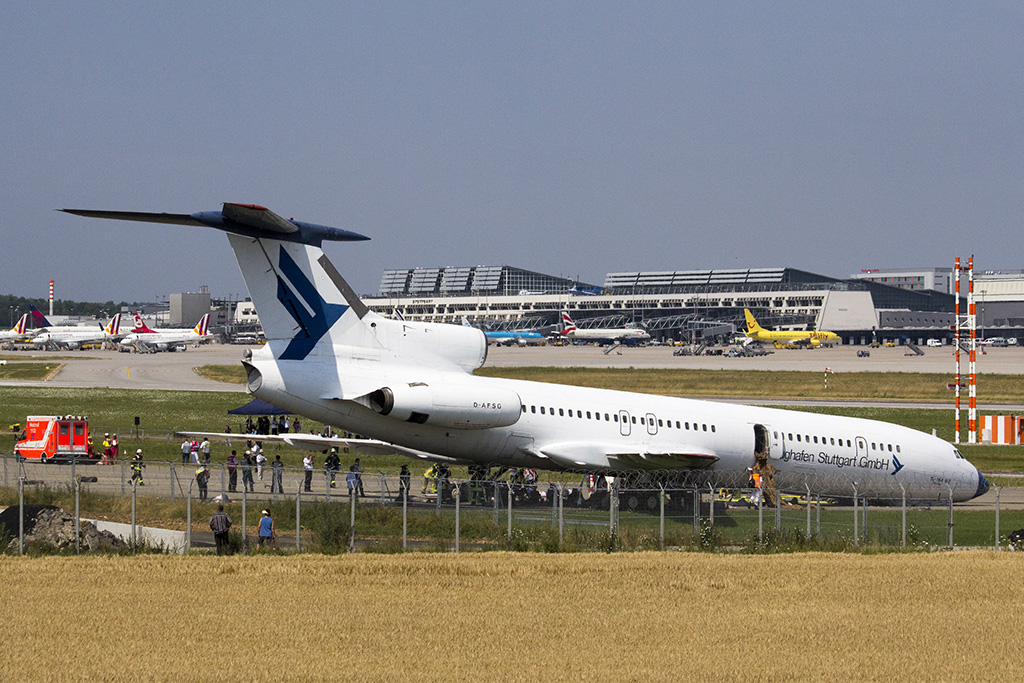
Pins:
x: 430, y: 479
x: 755, y: 476
x: 137, y: 468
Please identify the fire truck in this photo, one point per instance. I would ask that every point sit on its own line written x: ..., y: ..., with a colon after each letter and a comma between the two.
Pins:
x: 51, y: 438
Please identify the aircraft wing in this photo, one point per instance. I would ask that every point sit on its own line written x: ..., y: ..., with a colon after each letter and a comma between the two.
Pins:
x: 589, y: 454
x: 315, y: 442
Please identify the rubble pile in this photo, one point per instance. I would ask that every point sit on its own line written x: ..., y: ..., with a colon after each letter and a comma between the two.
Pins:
x: 51, y: 526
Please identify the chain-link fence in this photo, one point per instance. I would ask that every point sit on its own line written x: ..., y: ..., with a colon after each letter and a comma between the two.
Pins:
x: 499, y: 508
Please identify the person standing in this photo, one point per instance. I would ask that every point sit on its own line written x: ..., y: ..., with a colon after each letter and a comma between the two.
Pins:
x: 266, y: 532
x: 137, y: 468
x: 194, y: 452
x: 333, y: 465
x: 186, y: 448
x: 307, y: 465
x: 204, y: 449
x: 297, y: 426
x: 358, y: 469
x: 261, y: 461
x: 219, y: 524
x: 202, y: 476
x: 284, y: 425
x: 350, y: 480
x: 278, y: 475
x: 115, y: 450
x: 232, y: 464
x: 247, y: 465
x: 403, y: 482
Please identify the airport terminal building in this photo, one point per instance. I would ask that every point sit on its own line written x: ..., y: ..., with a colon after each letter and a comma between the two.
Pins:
x: 676, y: 305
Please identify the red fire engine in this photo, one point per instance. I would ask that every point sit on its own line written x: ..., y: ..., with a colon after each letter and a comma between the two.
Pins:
x: 60, y: 437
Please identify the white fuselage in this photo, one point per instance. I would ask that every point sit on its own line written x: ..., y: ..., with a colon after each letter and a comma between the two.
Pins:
x: 168, y: 337
x: 567, y: 427
x: 608, y: 334
x: 71, y: 336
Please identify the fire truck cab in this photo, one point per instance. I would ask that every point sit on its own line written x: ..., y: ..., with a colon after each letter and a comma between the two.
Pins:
x: 55, y: 437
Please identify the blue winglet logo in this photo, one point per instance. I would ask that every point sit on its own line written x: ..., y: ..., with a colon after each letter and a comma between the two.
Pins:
x: 898, y: 464
x: 311, y: 313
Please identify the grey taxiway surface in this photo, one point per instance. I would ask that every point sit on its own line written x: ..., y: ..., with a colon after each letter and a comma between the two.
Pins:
x: 111, y: 369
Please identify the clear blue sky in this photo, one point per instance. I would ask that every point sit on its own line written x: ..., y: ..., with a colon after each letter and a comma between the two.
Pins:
x: 571, y: 138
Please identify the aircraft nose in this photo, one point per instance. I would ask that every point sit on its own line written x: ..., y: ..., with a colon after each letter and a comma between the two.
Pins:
x: 983, y: 485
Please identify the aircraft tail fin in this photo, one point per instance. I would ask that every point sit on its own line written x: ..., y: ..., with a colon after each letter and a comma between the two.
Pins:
x: 300, y: 296
x: 567, y: 323
x: 203, y: 326
x: 21, y: 325
x: 113, y: 327
x: 752, y: 325
x: 140, y: 324
x: 38, y: 318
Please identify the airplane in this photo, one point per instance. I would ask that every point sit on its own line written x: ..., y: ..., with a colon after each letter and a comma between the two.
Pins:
x: 76, y: 336
x: 411, y: 385
x: 143, y: 338
x: 787, y: 338
x: 601, y: 334
x: 18, y: 332
x: 510, y: 337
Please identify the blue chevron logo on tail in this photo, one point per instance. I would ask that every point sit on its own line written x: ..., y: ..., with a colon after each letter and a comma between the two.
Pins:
x: 311, y: 313
x: 898, y: 464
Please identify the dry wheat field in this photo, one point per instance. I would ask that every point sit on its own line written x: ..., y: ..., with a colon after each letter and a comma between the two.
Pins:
x: 496, y: 616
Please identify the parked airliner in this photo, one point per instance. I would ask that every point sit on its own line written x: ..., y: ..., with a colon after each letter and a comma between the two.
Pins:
x: 143, y: 338
x: 76, y: 336
x: 601, y: 334
x: 412, y: 385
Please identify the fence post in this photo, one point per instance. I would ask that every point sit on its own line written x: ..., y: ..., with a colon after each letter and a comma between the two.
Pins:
x: 383, y: 486
x: 497, y: 498
x: 327, y: 486
x: 405, y: 519
x: 711, y: 505
x: 696, y: 511
x: 188, y: 518
x: 352, y: 520
x: 135, y: 538
x: 760, y: 518
x: 21, y: 513
x: 510, y: 512
x: 122, y: 477
x: 298, y: 517
x: 661, y: 516
x: 78, y: 521
x: 778, y: 509
x: 817, y: 514
x: 997, y: 516
x: 950, y: 523
x: 561, y: 516
x: 171, y: 466
x: 245, y: 542
x: 5, y: 470
x: 223, y: 477
x: 458, y: 498
x: 856, y: 536
x: 808, y: 488
x: 903, y: 524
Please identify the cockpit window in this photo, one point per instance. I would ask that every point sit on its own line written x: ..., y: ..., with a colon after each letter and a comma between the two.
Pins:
x: 957, y: 454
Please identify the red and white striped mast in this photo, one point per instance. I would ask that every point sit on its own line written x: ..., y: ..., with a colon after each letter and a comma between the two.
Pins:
x: 956, y: 341
x: 964, y: 325
x: 51, y: 298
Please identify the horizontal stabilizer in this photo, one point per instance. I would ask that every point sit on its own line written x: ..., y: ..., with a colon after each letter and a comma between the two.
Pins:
x: 141, y: 216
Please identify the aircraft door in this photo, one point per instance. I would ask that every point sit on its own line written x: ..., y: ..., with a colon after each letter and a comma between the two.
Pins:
x: 652, y: 424
x: 624, y: 428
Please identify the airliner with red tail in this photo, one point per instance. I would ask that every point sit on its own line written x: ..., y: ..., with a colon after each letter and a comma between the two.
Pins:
x: 143, y: 338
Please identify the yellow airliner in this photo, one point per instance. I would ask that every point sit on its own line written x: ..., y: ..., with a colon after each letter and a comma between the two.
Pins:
x: 784, y: 338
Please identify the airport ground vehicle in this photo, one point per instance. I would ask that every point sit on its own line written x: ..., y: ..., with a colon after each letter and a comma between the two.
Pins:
x: 54, y: 437
x: 934, y: 342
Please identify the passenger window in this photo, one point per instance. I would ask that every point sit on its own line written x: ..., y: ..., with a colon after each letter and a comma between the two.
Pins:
x: 524, y: 409
x: 832, y: 441
x: 660, y: 423
x: 641, y: 420
x: 873, y: 446
x: 889, y: 448
x: 606, y: 417
x: 615, y: 417
x: 588, y: 414
x: 542, y: 410
x: 634, y: 419
x: 561, y: 413
x: 815, y: 439
x: 775, y: 435
x: 705, y: 427
x: 897, y: 448
x: 712, y: 427
x: 533, y: 409
x: 791, y: 436
x: 687, y: 425
x: 797, y: 437
x: 677, y: 424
